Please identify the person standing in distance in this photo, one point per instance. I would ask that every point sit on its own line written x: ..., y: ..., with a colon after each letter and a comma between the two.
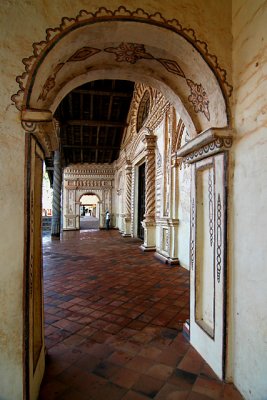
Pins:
x: 107, y: 219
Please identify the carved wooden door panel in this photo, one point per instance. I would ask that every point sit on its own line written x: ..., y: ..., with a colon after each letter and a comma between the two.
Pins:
x: 141, y: 200
x: 208, y: 260
x: 34, y: 357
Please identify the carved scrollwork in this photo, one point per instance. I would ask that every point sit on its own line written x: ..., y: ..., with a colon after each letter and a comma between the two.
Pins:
x: 214, y: 146
x: 219, y: 239
x: 102, y: 14
x: 29, y: 126
x: 210, y: 188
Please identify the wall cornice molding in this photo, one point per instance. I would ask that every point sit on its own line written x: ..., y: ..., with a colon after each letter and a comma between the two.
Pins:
x: 205, y: 144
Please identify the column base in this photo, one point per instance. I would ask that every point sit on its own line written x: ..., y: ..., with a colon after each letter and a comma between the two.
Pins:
x: 143, y: 247
x: 149, y: 235
x: 127, y: 226
x: 167, y: 260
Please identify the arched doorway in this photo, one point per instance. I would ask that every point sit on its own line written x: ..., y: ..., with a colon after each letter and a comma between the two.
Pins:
x: 177, y: 65
x: 89, y: 212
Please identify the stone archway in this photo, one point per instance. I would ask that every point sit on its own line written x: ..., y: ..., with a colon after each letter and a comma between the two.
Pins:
x: 178, y: 65
x: 90, y: 215
x: 77, y: 50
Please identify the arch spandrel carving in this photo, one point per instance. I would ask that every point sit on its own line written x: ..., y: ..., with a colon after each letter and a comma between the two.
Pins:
x: 65, y: 54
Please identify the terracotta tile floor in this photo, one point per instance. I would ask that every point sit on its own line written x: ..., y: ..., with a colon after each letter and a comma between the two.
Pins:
x: 113, y: 321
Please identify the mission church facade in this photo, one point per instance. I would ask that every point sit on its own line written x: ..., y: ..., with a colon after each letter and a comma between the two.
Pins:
x: 189, y: 177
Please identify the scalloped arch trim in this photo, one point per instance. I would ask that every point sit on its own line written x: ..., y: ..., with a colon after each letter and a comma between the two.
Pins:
x: 84, y: 17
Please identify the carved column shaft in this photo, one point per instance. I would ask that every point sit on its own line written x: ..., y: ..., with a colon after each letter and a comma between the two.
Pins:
x: 128, y: 199
x: 56, y: 205
x: 133, y: 201
x: 150, y: 206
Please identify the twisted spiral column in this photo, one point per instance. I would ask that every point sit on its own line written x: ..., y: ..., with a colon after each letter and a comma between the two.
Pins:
x: 56, y: 204
x: 128, y: 199
x: 150, y: 171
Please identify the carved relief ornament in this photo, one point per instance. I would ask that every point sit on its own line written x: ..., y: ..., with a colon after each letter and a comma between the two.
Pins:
x: 45, y: 129
x: 127, y: 52
x: 207, y: 143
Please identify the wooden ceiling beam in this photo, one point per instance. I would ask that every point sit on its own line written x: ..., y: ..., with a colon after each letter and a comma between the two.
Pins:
x: 83, y: 122
x: 89, y: 147
x: 102, y: 93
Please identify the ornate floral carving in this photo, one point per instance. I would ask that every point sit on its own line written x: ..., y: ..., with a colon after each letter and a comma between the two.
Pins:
x: 104, y: 14
x: 199, y: 98
x: 129, y: 52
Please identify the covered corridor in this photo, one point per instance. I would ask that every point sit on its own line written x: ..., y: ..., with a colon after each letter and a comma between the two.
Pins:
x: 113, y: 324
x: 158, y: 111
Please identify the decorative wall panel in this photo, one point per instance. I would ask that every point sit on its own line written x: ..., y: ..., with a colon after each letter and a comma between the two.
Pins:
x: 208, y: 259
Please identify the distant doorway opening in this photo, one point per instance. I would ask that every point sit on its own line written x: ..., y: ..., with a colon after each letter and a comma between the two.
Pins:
x: 89, y: 212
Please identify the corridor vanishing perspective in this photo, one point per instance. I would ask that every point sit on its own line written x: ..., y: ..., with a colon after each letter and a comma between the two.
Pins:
x: 113, y: 324
x: 149, y: 118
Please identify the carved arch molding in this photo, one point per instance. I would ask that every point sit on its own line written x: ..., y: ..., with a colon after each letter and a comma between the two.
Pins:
x: 197, y: 95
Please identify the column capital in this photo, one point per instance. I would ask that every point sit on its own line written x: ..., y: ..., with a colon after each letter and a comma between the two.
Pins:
x: 41, y: 124
x: 128, y: 167
x: 150, y: 141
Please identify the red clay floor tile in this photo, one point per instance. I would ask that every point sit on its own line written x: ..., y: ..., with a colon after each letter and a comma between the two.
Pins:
x: 113, y: 321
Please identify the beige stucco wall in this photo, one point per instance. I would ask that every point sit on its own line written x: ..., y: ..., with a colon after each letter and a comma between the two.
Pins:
x: 249, y: 239
x: 11, y: 247
x: 12, y: 223
x: 209, y: 18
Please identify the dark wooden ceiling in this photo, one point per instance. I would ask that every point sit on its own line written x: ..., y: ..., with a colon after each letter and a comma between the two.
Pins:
x: 92, y: 119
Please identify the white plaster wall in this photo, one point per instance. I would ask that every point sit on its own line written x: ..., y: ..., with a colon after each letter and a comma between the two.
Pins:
x: 249, y: 238
x: 184, y: 216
